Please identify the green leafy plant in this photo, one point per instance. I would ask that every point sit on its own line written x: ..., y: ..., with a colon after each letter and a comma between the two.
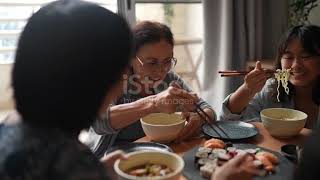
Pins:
x: 168, y: 13
x: 299, y: 11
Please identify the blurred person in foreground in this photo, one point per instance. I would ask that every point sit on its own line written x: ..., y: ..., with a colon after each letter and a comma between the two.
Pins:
x: 69, y: 60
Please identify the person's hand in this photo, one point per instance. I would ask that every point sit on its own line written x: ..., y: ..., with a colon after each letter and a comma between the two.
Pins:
x: 109, y: 160
x: 168, y: 100
x: 255, y: 79
x: 240, y: 167
x: 192, y: 128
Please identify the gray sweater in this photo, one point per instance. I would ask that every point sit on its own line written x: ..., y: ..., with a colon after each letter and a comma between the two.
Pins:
x: 260, y: 101
x: 102, y: 136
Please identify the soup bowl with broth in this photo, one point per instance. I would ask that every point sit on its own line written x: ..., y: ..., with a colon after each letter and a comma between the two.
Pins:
x: 283, y: 122
x: 147, y: 165
x: 161, y: 127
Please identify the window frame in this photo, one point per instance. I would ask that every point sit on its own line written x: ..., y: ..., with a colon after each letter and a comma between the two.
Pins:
x: 168, y: 1
x: 32, y: 4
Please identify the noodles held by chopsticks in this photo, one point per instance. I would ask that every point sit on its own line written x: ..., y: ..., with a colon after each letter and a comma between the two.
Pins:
x: 282, y: 75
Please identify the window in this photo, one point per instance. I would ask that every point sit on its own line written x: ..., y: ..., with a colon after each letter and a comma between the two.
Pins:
x: 186, y: 22
x: 13, y: 18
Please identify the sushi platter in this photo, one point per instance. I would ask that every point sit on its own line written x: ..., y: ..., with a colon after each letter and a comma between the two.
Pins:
x: 201, y: 161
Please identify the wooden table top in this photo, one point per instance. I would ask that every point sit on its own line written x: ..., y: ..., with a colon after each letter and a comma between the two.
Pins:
x: 263, y: 139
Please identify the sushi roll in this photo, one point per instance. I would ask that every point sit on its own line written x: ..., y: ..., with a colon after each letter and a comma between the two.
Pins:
x: 251, y: 151
x: 207, y: 170
x: 217, y: 151
x: 240, y: 151
x: 200, y: 154
x: 222, y: 158
x: 204, y: 149
x: 232, y: 149
x: 213, y: 156
x: 202, y: 162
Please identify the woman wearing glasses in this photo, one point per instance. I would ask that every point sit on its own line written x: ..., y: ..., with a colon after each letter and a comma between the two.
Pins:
x: 147, y: 89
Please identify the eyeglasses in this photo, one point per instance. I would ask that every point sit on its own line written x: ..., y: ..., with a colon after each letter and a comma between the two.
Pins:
x: 152, y: 65
x: 307, y: 57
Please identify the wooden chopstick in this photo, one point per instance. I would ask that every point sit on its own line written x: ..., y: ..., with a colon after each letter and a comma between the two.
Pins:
x: 232, y: 73
x: 204, y: 118
x: 208, y: 119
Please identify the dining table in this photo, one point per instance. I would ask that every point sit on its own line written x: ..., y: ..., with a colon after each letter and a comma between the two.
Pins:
x: 262, y: 139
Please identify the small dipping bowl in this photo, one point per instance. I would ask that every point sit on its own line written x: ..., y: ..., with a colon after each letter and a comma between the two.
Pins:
x: 291, y: 152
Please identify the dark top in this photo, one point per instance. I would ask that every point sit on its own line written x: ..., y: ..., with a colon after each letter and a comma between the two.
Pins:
x: 308, y: 168
x: 28, y: 152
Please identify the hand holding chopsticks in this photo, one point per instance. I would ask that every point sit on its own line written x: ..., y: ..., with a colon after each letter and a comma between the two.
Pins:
x: 258, y: 67
x: 253, y: 83
x: 205, y: 117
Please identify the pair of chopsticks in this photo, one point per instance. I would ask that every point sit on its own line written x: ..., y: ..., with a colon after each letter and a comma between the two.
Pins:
x: 203, y: 115
x: 208, y: 119
x: 232, y: 73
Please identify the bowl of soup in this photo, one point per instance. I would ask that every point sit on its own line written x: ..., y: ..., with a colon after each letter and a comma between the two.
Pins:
x: 155, y: 165
x: 161, y: 127
x: 283, y: 122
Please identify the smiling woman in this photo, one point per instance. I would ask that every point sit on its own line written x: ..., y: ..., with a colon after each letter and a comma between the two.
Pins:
x: 299, y: 51
x: 147, y: 89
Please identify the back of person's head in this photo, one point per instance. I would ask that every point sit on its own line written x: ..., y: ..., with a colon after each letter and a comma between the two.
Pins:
x: 146, y: 32
x: 69, y: 55
x: 309, y: 38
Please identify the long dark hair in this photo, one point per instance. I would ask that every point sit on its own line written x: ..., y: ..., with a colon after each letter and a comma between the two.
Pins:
x: 69, y: 55
x: 309, y: 37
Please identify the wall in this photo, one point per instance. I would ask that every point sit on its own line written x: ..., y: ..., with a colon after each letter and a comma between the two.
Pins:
x: 6, y: 101
x: 314, y: 16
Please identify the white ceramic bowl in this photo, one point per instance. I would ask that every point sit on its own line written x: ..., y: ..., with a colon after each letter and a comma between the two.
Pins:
x: 139, y: 158
x: 161, y: 127
x: 283, y: 122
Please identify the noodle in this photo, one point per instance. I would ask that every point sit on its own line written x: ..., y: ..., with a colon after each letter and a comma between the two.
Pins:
x: 283, y: 77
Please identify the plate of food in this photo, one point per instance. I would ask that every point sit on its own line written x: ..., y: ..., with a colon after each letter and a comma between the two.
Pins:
x: 138, y: 146
x: 230, y: 130
x: 201, y: 161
